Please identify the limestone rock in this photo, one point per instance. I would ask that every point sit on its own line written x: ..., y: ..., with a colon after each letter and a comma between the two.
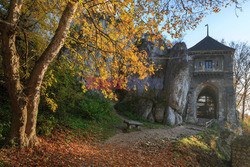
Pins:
x: 151, y: 117
x: 190, y: 117
x: 159, y: 110
x: 178, y: 119
x: 178, y: 96
x: 170, y: 116
x: 177, y: 80
x: 145, y: 108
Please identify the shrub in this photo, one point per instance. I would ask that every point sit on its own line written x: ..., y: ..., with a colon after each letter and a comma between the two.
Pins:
x: 45, y: 124
x: 95, y: 108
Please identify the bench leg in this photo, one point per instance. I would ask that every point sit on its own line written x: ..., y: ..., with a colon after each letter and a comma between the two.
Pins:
x: 128, y: 126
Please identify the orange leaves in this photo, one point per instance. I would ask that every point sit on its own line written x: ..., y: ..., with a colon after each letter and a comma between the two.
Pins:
x: 77, y: 151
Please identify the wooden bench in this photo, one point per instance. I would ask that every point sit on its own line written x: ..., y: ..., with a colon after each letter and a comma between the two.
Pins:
x: 130, y: 123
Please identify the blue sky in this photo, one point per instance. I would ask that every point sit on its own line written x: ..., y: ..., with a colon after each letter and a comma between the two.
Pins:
x: 223, y: 25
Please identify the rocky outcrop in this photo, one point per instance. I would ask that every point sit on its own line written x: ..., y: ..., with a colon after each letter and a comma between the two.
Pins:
x: 151, y: 117
x: 159, y: 111
x: 172, y: 117
x: 169, y: 116
x: 145, y: 108
x: 178, y: 119
x: 177, y: 80
x: 176, y: 83
x: 166, y: 103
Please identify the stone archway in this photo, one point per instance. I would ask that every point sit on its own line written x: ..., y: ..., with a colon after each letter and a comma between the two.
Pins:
x: 207, y: 101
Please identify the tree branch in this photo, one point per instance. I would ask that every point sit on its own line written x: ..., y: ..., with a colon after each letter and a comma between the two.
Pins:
x: 52, y: 50
x: 4, y: 23
x: 14, y: 11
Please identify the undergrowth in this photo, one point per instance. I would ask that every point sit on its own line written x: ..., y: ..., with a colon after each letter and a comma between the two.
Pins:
x: 211, y: 147
x: 68, y: 108
x: 127, y: 108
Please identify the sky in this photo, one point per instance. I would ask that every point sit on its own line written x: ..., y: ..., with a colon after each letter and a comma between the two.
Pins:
x: 223, y: 25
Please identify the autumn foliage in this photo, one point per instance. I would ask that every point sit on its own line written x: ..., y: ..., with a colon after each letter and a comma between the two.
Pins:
x: 104, y: 35
x: 62, y: 150
x: 96, y: 36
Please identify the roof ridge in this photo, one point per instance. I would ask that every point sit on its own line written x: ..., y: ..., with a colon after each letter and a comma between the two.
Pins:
x: 208, y: 43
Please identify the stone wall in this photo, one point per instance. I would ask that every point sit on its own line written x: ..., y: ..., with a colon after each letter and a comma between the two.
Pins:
x: 241, y: 153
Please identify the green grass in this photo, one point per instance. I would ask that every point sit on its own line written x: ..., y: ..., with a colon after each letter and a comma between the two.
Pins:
x: 102, y: 127
x: 96, y: 117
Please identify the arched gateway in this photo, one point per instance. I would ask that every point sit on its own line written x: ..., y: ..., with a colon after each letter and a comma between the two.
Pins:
x: 211, y: 93
x: 207, y: 101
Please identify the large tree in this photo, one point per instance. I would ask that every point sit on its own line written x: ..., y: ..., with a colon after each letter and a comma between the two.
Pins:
x: 102, y: 41
x: 242, y: 75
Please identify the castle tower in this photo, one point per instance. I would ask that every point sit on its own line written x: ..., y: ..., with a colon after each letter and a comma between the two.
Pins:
x: 211, y: 94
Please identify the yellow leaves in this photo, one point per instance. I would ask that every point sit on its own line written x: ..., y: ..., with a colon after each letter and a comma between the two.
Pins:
x: 84, y: 89
x: 76, y: 35
x: 106, y: 43
x: 153, y: 38
x: 170, y: 44
x: 53, y: 106
x: 80, y: 1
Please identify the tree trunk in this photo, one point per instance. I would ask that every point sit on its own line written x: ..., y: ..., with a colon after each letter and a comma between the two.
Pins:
x: 37, y: 75
x: 25, y: 105
x: 11, y: 72
x: 17, y: 97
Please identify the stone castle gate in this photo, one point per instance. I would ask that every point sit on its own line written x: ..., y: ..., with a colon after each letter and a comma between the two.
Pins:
x: 211, y: 93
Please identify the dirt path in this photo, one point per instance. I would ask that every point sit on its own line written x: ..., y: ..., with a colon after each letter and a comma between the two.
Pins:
x: 125, y: 139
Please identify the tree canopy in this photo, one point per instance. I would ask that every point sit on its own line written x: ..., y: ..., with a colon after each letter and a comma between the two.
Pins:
x: 96, y: 36
x: 103, y: 34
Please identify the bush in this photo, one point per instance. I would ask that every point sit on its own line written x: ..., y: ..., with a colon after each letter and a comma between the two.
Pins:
x: 45, y: 124
x: 74, y: 108
x: 95, y: 108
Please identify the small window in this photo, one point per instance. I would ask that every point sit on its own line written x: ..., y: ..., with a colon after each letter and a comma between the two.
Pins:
x: 208, y: 64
